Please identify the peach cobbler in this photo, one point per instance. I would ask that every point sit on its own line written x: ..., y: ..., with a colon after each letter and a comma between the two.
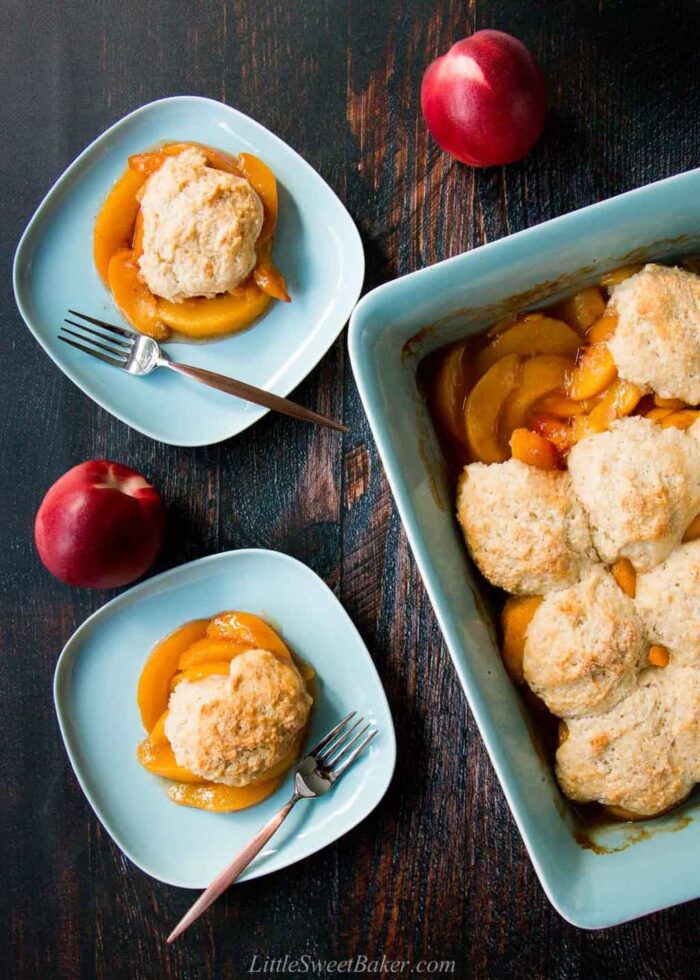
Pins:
x: 573, y: 436
x: 184, y: 241
x: 225, y: 706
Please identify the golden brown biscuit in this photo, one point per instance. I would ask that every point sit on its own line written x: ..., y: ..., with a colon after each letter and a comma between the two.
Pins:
x: 668, y: 602
x: 640, y: 486
x: 656, y: 343
x: 523, y: 526
x: 584, y: 647
x: 234, y: 728
x: 644, y: 754
x: 200, y: 226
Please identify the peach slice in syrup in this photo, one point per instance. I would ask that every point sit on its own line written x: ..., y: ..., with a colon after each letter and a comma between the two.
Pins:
x: 534, y: 450
x: 616, y: 276
x: 154, y: 683
x: 451, y: 382
x: 540, y: 376
x: 114, y: 226
x: 219, y: 798
x: 530, y: 336
x: 227, y: 313
x: 594, y: 372
x: 582, y: 309
x: 160, y: 760
x: 484, y: 406
x: 221, y: 667
x: 515, y: 619
x: 625, y: 575
x: 248, y: 630
x: 132, y: 297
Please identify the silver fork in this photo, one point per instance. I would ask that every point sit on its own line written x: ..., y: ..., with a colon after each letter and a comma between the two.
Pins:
x: 313, y: 777
x: 141, y: 355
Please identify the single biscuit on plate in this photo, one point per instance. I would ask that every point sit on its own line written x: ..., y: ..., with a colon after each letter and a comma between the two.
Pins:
x: 234, y: 728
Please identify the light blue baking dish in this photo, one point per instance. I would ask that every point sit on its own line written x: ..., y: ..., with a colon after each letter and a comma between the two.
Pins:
x: 637, y: 868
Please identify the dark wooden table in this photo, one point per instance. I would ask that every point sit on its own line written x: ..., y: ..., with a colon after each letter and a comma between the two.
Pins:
x: 439, y: 870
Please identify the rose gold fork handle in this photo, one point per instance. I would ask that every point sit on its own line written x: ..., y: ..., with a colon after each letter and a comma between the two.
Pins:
x: 233, y: 870
x: 252, y: 394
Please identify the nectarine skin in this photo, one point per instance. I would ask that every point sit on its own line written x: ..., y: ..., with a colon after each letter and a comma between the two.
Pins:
x: 99, y: 526
x: 485, y: 100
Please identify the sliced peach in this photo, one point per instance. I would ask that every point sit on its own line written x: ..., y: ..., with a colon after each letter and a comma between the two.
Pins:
x: 264, y: 183
x: 249, y: 630
x: 531, y: 448
x: 219, y: 798
x: 527, y: 337
x: 540, y: 376
x: 621, y: 399
x: 625, y: 576
x: 505, y: 324
x: 157, y: 735
x: 656, y: 414
x: 557, y: 431
x: 658, y: 656
x: 132, y: 297
x: 449, y: 390
x: 114, y: 227
x: 616, y: 276
x: 680, y: 420
x: 267, y: 276
x: 137, y: 241
x: 306, y: 670
x: 674, y: 403
x: 154, y: 683
x: 146, y: 163
x: 215, y: 158
x: 693, y: 530
x: 595, y: 370
x: 207, y: 649
x: 562, y: 407
x: 602, y: 329
x: 515, y: 619
x: 199, y: 672
x: 483, y: 409
x: 581, y: 427
x: 582, y: 309
x: 160, y: 760
x: 228, y: 313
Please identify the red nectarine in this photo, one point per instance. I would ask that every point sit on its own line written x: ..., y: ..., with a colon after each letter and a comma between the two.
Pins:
x: 99, y: 526
x: 485, y: 100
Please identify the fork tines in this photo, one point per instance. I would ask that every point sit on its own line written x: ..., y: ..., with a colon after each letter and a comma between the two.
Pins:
x: 340, y: 745
x: 118, y: 341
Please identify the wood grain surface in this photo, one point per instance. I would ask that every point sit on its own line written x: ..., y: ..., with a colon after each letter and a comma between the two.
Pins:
x: 439, y: 870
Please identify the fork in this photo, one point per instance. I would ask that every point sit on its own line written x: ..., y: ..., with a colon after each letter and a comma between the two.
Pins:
x: 313, y: 777
x: 140, y: 355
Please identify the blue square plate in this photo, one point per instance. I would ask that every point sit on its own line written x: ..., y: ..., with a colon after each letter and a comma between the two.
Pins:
x: 95, y: 694
x: 317, y: 247
x: 641, y: 867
